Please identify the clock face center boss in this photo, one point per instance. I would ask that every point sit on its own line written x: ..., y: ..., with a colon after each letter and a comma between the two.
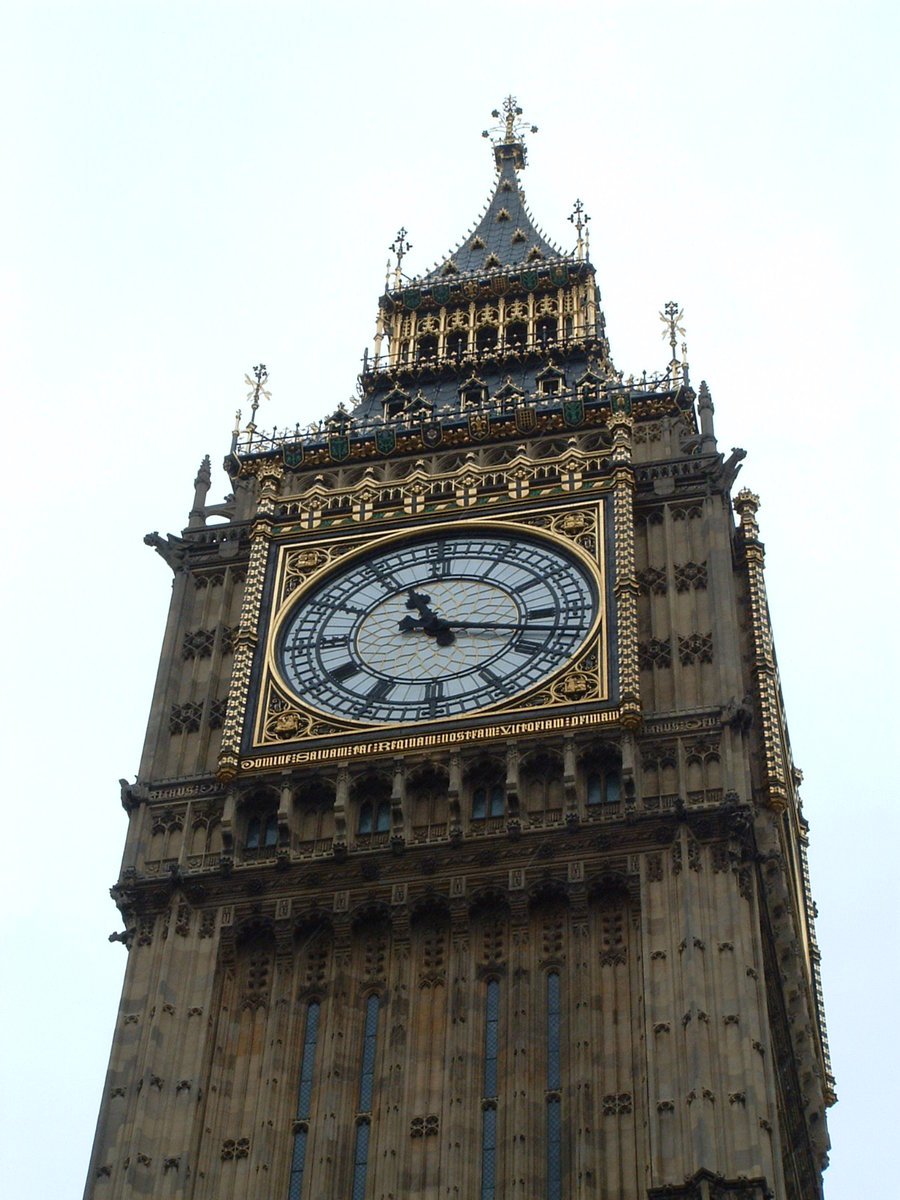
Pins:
x: 437, y: 625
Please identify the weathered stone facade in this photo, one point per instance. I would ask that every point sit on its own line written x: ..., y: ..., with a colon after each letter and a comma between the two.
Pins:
x: 563, y: 948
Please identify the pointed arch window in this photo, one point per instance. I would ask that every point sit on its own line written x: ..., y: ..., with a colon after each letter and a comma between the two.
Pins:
x: 262, y: 831
x: 603, y: 786
x: 304, y: 1100
x: 374, y: 817
x: 488, y: 800
x: 366, y: 1091
x: 490, y: 1090
x: 554, y: 1084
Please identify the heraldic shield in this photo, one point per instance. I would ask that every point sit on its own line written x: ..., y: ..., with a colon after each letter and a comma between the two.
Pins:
x: 526, y: 418
x: 292, y: 455
x: 385, y: 441
x: 573, y: 411
x: 479, y: 426
x: 339, y: 448
x: 431, y: 433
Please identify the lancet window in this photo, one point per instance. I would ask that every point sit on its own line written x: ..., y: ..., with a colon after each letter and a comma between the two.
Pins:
x: 366, y: 1090
x: 554, y: 1084
x: 304, y: 1099
x: 490, y: 1089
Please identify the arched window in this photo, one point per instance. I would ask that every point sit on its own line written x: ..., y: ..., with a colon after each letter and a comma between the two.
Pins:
x: 364, y: 1107
x: 304, y: 1100
x: 427, y: 348
x: 262, y: 824
x: 490, y: 1089
x: 486, y: 339
x: 488, y: 800
x: 373, y: 822
x: 603, y: 786
x: 554, y: 1085
x: 516, y: 336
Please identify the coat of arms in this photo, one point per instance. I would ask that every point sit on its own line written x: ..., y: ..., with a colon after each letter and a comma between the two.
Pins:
x: 339, y: 448
x: 385, y: 441
x: 573, y: 411
x: 292, y: 455
x: 479, y: 426
x: 431, y: 433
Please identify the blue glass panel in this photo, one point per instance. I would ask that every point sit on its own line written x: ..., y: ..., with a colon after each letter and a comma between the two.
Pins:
x: 367, y: 1076
x: 365, y: 818
x: 488, y: 1153
x: 497, y: 799
x: 594, y: 789
x: 253, y: 829
x: 272, y: 830
x: 304, y: 1097
x: 554, y: 1022
x: 383, y: 820
x: 479, y: 804
x: 491, y: 1037
x: 612, y: 787
x: 360, y: 1161
x: 297, y: 1164
x: 554, y: 1149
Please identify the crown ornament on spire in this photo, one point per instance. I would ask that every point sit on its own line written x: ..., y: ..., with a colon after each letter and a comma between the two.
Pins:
x: 508, y: 137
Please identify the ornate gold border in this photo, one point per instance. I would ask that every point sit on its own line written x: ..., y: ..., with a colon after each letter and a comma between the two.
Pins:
x: 302, y: 565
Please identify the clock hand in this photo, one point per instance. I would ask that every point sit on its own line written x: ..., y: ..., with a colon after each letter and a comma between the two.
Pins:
x: 500, y: 625
x: 428, y: 621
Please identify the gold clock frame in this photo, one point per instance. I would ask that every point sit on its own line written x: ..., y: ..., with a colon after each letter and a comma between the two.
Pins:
x: 281, y: 720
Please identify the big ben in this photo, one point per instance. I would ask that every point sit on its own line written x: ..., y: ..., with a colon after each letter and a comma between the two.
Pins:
x: 466, y: 857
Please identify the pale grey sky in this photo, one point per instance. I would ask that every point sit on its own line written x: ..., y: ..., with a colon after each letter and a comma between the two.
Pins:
x: 192, y: 187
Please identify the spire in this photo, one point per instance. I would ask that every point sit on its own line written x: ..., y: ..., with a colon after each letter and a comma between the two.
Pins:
x: 505, y: 235
x: 197, y: 516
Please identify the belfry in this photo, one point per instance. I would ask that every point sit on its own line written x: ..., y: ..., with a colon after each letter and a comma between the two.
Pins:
x: 466, y: 857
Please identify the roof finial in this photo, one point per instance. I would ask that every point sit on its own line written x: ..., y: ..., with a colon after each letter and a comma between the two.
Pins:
x: 401, y: 247
x: 507, y: 138
x: 260, y: 375
x: 671, y: 317
x: 579, y: 219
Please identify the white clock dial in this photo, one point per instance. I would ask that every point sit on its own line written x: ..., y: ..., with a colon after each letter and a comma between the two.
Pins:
x: 437, y: 626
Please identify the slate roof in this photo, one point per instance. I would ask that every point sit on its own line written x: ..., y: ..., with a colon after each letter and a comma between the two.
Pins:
x: 505, y: 235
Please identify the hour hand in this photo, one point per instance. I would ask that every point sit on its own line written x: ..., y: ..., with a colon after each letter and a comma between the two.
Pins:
x: 410, y: 623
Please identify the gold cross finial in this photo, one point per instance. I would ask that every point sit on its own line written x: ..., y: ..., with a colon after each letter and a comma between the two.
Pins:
x: 400, y: 247
x: 508, y: 137
x: 579, y: 219
x: 671, y: 317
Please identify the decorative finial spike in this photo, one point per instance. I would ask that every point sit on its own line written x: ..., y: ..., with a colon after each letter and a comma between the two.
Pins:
x: 671, y: 317
x: 260, y: 375
x: 579, y: 219
x: 400, y: 246
x: 509, y: 145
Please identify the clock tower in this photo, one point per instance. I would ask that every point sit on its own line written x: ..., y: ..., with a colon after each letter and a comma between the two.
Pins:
x: 466, y: 857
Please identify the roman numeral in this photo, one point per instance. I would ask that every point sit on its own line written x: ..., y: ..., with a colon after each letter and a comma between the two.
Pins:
x: 380, y: 690
x: 347, y: 671
x: 537, y: 614
x: 529, y: 647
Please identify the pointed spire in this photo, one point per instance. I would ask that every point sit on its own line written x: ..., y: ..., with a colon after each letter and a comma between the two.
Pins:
x: 197, y: 515
x: 706, y: 409
x: 505, y: 234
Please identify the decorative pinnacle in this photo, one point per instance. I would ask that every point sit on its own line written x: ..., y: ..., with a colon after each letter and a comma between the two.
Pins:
x: 400, y: 246
x: 671, y: 317
x: 260, y: 375
x: 579, y: 219
x: 507, y: 138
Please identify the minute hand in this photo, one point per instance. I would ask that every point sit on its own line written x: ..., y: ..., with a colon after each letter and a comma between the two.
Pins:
x: 500, y: 625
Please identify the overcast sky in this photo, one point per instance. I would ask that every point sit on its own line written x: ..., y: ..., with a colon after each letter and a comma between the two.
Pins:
x: 191, y: 188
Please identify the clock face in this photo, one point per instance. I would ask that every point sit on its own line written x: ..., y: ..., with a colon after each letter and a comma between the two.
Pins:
x: 437, y: 626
